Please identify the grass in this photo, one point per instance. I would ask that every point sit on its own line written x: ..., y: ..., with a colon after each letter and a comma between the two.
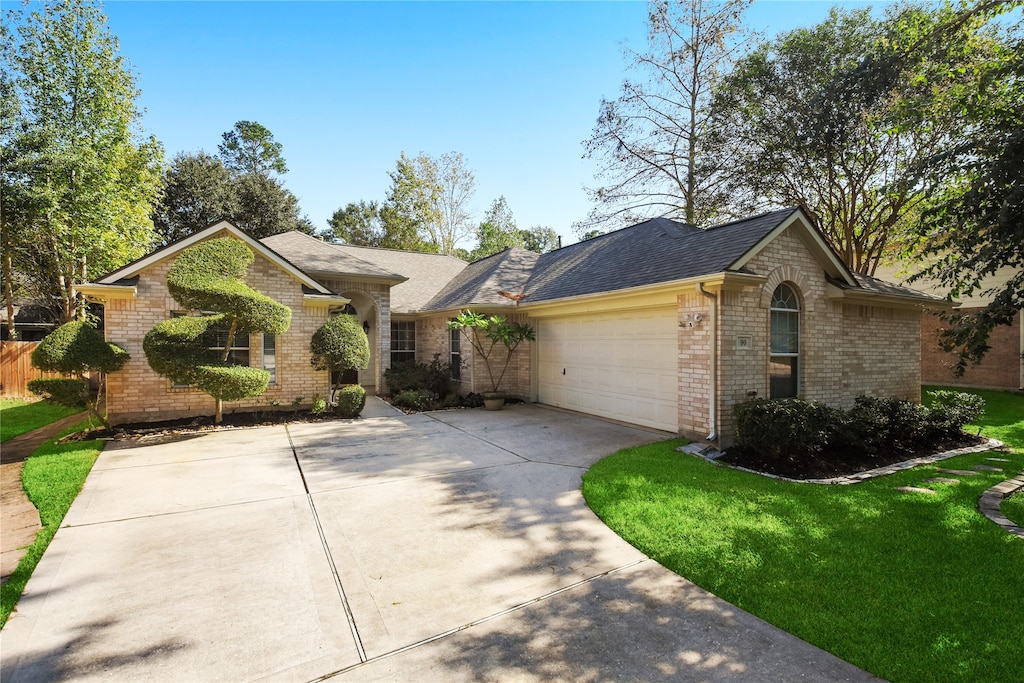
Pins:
x: 52, y: 477
x: 1013, y: 508
x: 909, y: 586
x: 18, y: 417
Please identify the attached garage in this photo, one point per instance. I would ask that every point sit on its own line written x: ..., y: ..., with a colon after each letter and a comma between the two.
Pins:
x: 620, y: 365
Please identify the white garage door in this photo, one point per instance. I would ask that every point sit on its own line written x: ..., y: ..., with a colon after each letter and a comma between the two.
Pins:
x: 618, y: 365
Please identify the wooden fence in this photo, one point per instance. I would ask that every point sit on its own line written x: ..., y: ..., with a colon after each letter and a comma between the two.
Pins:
x: 16, y: 369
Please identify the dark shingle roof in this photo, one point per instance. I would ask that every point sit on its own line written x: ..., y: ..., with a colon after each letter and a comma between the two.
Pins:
x: 658, y: 250
x: 479, y: 283
x: 876, y: 286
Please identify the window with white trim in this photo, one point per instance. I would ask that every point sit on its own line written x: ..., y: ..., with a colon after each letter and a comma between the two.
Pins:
x: 403, y: 341
x: 455, y: 353
x: 784, y: 358
x: 270, y: 357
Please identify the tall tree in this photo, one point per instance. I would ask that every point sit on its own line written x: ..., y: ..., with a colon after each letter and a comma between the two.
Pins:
x: 815, y: 126
x: 658, y: 145
x: 86, y: 176
x: 266, y: 207
x: 198, y: 190
x: 456, y: 185
x: 498, y: 230
x: 540, y: 239
x: 358, y: 223
x: 410, y: 207
x: 972, y: 223
x: 250, y: 149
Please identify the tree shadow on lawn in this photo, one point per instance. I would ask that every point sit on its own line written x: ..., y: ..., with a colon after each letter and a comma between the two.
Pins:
x: 898, y: 583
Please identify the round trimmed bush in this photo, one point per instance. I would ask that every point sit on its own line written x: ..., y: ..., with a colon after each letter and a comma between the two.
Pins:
x: 351, y: 400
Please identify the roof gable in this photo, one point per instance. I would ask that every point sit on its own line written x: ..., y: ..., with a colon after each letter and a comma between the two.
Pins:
x: 323, y: 258
x: 649, y: 253
x: 227, y: 227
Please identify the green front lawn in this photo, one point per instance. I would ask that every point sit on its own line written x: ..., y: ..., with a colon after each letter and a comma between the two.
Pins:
x: 909, y: 586
x: 1013, y: 508
x: 18, y: 417
x: 52, y: 477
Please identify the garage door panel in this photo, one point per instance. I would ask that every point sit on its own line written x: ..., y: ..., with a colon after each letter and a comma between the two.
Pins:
x: 617, y: 365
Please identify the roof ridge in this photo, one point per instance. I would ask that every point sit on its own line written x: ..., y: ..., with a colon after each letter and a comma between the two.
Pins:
x: 787, y: 210
x: 400, y: 251
x: 373, y: 266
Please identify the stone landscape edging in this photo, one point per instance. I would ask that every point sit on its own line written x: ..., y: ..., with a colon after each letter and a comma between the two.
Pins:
x: 988, y: 445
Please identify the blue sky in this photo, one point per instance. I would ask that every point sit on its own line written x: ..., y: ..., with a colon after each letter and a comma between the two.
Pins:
x: 348, y: 86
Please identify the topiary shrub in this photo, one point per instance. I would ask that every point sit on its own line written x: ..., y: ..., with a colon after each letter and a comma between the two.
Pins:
x: 76, y: 348
x: 209, y: 276
x: 415, y: 399
x: 351, y: 400
x: 66, y: 392
x: 339, y: 345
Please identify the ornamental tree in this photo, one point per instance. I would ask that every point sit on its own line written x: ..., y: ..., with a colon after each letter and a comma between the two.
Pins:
x: 74, y: 349
x: 339, y: 345
x: 209, y: 276
x: 485, y: 333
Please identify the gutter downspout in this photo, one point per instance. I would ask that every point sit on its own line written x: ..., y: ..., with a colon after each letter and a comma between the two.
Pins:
x: 713, y: 399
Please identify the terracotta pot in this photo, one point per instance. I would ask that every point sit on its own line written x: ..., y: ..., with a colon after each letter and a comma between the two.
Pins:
x: 493, y: 400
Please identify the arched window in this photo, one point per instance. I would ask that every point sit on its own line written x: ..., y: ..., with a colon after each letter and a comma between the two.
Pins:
x: 784, y: 361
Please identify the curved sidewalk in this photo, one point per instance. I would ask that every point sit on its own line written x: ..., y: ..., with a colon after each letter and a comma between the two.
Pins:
x: 19, y: 518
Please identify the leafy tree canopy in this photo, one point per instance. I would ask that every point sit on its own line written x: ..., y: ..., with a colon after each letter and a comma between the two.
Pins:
x: 498, y: 230
x: 250, y: 149
x: 78, y: 177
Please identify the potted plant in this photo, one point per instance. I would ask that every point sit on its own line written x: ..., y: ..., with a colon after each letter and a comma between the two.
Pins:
x: 485, y: 334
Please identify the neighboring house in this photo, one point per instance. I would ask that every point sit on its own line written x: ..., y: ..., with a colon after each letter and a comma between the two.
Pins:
x: 32, y: 321
x: 1003, y: 365
x: 660, y: 324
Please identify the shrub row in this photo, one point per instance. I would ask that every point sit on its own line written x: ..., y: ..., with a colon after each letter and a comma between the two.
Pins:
x: 773, y: 428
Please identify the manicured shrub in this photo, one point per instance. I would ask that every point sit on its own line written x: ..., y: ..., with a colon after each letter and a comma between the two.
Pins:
x: 319, y: 404
x: 452, y: 401
x: 775, y: 428
x: 419, y: 399
x: 209, y: 276
x: 351, y: 400
x: 951, y: 410
x: 339, y: 345
x: 473, y: 400
x: 66, y: 392
x: 76, y: 348
x: 435, y: 377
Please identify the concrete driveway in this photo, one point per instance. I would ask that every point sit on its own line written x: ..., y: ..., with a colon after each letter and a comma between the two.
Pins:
x: 449, y: 546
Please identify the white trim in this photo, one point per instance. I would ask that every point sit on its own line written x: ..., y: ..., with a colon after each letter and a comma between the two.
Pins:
x: 261, y: 249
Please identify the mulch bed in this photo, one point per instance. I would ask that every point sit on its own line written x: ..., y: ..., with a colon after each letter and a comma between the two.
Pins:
x: 202, y: 424
x: 827, y: 464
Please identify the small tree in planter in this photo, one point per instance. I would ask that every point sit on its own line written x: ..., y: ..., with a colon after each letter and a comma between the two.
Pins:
x: 339, y: 345
x: 75, y: 348
x: 485, y: 333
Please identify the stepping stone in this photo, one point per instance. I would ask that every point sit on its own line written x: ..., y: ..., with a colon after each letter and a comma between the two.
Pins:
x: 941, y: 480
x: 962, y: 473
x: 999, y: 459
x: 914, y: 489
x: 988, y: 468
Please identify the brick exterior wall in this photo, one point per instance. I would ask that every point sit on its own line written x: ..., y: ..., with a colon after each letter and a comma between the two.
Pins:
x: 845, y: 350
x: 137, y: 394
x: 694, y: 364
x: 372, y: 302
x: 999, y: 369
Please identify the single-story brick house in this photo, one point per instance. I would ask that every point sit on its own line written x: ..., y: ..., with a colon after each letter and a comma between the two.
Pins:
x: 660, y: 324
